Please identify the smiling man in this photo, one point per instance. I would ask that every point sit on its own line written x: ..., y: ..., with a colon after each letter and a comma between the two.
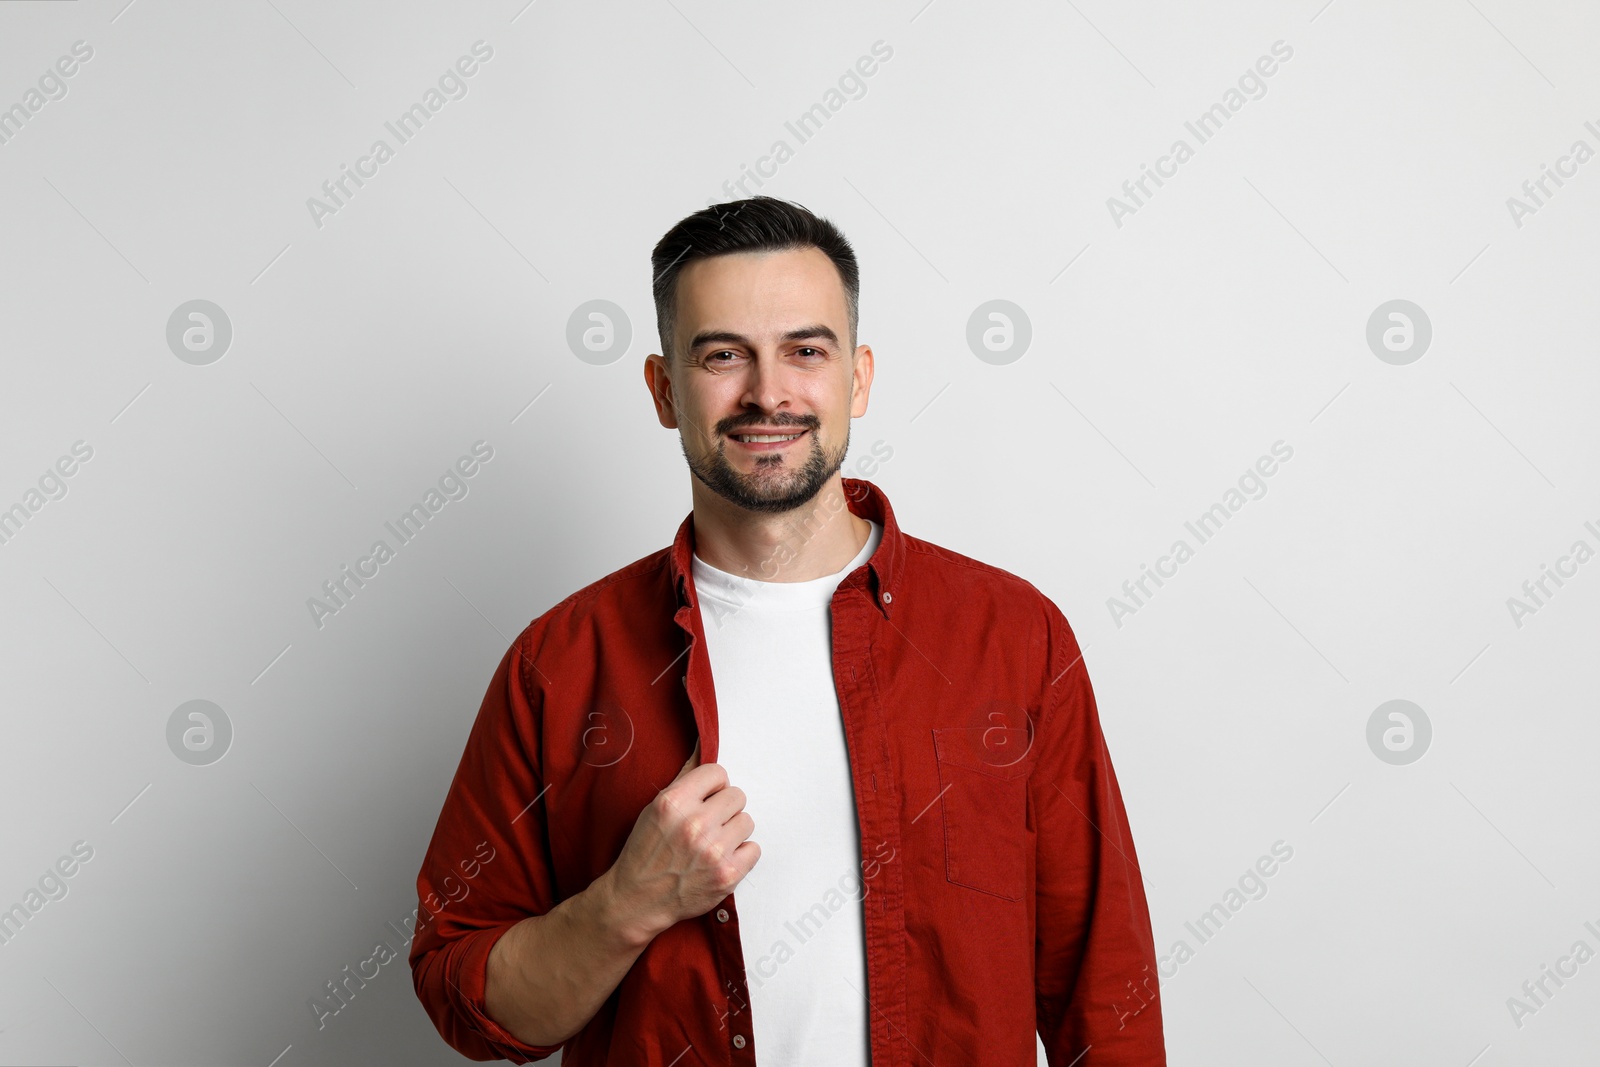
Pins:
x: 926, y: 858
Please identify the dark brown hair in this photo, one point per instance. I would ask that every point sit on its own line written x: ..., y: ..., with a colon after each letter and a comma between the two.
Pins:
x: 759, y: 224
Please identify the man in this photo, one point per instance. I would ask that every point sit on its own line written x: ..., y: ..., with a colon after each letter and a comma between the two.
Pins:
x: 935, y: 861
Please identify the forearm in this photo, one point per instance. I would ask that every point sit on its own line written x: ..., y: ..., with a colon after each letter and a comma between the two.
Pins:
x: 548, y: 975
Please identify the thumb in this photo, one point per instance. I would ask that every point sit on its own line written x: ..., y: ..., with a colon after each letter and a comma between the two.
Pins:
x: 693, y: 761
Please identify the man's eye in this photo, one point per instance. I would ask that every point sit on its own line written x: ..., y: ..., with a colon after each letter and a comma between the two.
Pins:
x: 814, y: 351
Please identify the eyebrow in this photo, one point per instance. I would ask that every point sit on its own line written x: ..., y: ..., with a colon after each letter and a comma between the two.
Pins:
x: 801, y: 333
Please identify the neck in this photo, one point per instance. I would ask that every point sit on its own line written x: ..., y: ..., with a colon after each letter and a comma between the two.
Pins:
x: 812, y: 541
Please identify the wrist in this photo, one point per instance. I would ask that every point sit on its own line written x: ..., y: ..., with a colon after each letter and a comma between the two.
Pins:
x: 618, y: 916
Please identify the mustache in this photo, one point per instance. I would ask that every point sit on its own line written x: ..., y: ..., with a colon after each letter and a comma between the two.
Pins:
x: 797, y: 422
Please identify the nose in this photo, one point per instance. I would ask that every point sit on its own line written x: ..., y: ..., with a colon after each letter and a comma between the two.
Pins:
x: 767, y: 383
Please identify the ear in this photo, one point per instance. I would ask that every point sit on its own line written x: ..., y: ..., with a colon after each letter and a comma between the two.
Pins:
x: 658, y: 378
x: 860, y: 381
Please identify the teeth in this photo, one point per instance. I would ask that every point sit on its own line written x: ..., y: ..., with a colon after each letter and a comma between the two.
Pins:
x: 761, y: 438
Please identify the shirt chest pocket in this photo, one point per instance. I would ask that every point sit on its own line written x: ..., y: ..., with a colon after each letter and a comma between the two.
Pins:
x: 983, y: 782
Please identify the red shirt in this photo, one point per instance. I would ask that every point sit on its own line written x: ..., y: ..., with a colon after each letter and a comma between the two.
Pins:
x: 1002, y: 888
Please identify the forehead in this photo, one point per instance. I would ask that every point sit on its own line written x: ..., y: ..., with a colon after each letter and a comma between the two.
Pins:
x: 761, y: 293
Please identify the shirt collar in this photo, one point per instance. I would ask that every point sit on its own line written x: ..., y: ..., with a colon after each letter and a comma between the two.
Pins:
x: 863, y: 499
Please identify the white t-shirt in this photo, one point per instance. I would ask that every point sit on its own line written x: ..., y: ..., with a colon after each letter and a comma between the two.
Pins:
x: 782, y: 741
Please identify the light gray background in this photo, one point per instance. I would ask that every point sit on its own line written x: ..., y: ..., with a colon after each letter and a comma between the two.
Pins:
x: 1167, y: 354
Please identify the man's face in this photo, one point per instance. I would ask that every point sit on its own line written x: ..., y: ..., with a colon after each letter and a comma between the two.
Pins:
x: 761, y: 348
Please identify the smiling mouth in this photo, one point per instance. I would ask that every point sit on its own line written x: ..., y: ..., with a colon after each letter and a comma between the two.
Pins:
x: 765, y: 438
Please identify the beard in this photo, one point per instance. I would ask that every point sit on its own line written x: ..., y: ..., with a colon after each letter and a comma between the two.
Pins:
x: 779, y: 482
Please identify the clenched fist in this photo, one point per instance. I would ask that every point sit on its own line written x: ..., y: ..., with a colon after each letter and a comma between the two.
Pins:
x: 688, y: 850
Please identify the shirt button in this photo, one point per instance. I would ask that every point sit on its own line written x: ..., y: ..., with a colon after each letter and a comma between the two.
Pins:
x: 722, y: 915
x: 887, y: 598
x: 738, y: 1041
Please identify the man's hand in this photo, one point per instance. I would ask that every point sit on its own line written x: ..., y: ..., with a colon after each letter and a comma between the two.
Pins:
x: 688, y: 850
x: 547, y: 976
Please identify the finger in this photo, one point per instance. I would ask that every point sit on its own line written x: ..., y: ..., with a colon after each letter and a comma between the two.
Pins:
x: 697, y: 781
x: 742, y: 825
x: 724, y: 804
x: 747, y: 855
x: 693, y: 761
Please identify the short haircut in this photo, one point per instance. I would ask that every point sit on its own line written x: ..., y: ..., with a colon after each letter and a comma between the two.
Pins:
x: 759, y: 224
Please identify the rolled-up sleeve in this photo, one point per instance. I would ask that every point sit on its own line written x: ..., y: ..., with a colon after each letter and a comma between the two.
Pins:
x: 1096, y: 983
x: 487, y: 866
